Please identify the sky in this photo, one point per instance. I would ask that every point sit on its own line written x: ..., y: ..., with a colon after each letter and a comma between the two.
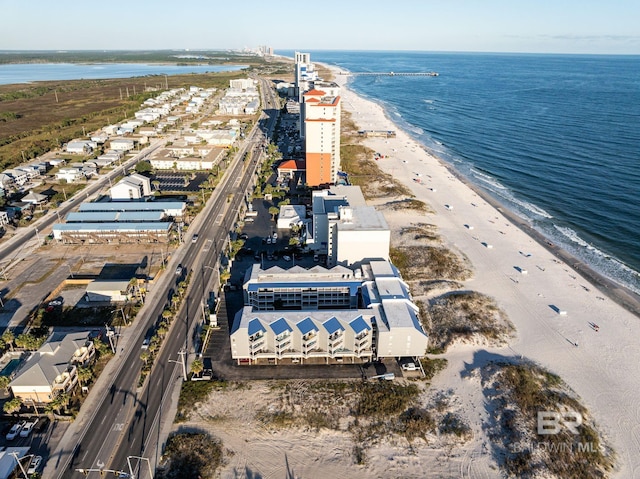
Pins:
x: 532, y: 26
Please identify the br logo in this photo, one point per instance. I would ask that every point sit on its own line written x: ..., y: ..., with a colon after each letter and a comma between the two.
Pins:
x: 552, y: 422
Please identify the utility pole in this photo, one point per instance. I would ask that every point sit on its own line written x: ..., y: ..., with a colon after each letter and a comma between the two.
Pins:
x: 15, y: 455
x: 131, y: 474
x: 101, y: 471
x: 182, y: 353
x: 110, y: 334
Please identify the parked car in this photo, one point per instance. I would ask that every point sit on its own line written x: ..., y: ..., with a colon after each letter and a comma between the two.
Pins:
x: 15, y: 430
x: 42, y: 424
x: 286, y: 257
x: 27, y: 429
x: 145, y: 343
x: 409, y: 367
x: 35, y: 465
x: 178, y: 270
x: 244, y: 236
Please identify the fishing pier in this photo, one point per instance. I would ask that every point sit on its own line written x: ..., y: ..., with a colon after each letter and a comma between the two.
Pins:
x: 392, y: 74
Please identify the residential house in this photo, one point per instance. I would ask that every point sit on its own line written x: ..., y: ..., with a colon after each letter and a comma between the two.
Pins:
x: 52, y: 369
x: 107, y: 291
x: 34, y: 198
x: 70, y: 175
x: 132, y: 187
x: 81, y: 147
x: 121, y: 144
x: 19, y: 177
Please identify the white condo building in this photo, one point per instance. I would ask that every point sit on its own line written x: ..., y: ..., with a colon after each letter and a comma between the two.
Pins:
x: 325, y: 316
x: 345, y: 228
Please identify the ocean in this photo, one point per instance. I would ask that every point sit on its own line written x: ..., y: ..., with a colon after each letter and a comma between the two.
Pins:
x: 555, y: 138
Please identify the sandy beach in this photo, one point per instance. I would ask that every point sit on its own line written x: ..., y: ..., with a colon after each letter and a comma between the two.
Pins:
x: 551, y: 304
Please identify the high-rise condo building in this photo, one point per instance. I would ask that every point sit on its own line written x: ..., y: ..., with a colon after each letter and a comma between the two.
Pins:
x: 320, y: 129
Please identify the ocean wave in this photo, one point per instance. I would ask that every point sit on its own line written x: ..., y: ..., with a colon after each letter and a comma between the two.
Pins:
x: 601, y: 261
x: 524, y: 205
x: 573, y: 236
x: 487, y: 179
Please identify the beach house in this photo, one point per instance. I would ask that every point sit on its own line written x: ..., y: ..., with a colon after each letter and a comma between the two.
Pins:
x: 53, y: 368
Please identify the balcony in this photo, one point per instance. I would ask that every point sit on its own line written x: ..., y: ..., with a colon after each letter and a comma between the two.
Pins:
x: 66, y: 380
x: 362, y: 335
x: 308, y: 346
x: 256, y: 345
x: 334, y: 343
x: 256, y: 337
x: 83, y: 354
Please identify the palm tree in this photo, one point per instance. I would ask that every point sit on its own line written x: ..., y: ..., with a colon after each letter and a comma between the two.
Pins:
x: 4, y: 382
x: 8, y: 337
x: 162, y: 330
x: 145, y: 356
x: 64, y: 398
x: 84, y: 375
x: 53, y: 406
x: 225, y: 276
x: 12, y: 406
x: 197, y: 367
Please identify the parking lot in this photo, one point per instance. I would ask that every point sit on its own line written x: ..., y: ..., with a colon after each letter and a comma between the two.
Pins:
x: 38, y: 440
x: 179, y: 181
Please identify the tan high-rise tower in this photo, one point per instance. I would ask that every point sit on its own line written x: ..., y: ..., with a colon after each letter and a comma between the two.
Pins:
x: 321, y: 118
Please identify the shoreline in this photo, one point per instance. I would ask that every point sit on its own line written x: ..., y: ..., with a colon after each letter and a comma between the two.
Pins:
x: 545, y: 291
x: 614, y: 290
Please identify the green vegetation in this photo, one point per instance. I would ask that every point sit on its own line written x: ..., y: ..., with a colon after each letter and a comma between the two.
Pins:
x: 191, y: 455
x: 409, y: 204
x: 193, y: 392
x: 519, y: 392
x: 420, y: 262
x: 372, y: 411
x: 432, y: 366
x: 384, y: 398
x: 464, y: 316
x: 42, y: 116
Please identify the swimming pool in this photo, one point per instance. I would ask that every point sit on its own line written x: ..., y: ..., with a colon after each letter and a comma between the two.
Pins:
x: 11, y: 366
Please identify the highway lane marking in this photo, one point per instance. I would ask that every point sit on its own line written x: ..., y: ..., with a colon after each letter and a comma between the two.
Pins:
x: 237, y: 182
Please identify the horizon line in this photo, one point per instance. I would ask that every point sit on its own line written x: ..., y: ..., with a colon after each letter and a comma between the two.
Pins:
x: 244, y: 49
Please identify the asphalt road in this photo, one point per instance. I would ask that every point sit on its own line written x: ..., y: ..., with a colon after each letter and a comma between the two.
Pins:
x: 126, y: 421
